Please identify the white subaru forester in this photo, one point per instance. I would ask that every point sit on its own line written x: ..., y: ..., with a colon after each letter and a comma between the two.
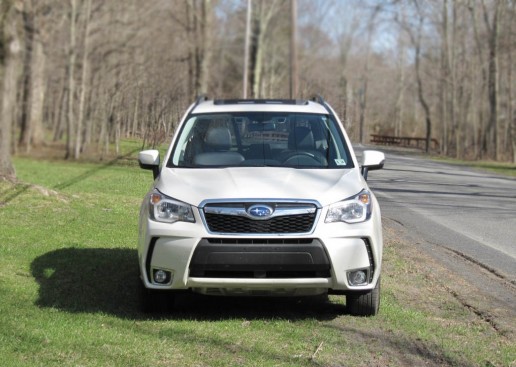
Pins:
x: 261, y: 198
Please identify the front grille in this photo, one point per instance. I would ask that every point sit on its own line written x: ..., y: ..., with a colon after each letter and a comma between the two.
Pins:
x: 301, y: 223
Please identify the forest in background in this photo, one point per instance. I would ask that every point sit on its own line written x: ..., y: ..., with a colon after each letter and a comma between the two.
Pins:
x: 80, y: 75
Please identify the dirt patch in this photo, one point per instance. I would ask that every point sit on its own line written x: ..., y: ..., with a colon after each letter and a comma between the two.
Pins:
x: 486, y: 295
x: 10, y: 189
x: 466, y: 305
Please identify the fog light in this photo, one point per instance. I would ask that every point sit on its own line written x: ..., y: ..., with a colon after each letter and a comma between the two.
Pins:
x: 161, y: 276
x: 357, y: 277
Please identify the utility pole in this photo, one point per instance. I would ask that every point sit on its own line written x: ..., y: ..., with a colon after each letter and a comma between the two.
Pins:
x: 293, y: 49
x: 246, y: 51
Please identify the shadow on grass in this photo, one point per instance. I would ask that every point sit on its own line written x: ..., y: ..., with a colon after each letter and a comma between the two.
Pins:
x: 106, y: 280
x: 94, y: 171
x: 17, y: 188
x: 88, y: 280
x: 12, y: 192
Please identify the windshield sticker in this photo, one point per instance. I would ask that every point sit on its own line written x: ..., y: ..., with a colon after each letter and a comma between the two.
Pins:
x: 340, y: 162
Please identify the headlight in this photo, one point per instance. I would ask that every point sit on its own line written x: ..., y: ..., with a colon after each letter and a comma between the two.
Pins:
x: 353, y: 210
x: 164, y: 209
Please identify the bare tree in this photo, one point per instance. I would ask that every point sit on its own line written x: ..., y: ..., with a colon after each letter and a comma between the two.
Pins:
x: 198, y: 26
x: 79, y: 136
x: 401, y: 76
x: 293, y: 50
x: 416, y: 40
x: 11, y: 44
x: 72, y: 54
x: 205, y: 48
x: 245, y: 77
x: 492, y: 26
x: 511, y: 104
x: 365, y: 75
x: 261, y: 46
x: 94, y: 72
x: 444, y: 77
x: 29, y: 30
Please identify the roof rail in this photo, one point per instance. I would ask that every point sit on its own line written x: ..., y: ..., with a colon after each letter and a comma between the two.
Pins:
x: 319, y: 99
x: 201, y: 98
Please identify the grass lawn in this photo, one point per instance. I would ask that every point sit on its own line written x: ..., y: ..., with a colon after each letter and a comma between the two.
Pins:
x: 502, y: 168
x: 68, y: 294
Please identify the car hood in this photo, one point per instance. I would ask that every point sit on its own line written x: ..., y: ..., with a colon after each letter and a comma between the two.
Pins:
x: 193, y: 186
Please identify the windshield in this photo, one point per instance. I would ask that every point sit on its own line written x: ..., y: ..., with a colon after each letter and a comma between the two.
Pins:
x: 255, y: 139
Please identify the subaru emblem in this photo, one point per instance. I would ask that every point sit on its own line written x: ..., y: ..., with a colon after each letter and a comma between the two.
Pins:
x: 260, y: 211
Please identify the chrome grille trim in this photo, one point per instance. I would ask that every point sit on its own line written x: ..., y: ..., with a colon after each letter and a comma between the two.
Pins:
x: 243, y: 212
x: 284, y: 210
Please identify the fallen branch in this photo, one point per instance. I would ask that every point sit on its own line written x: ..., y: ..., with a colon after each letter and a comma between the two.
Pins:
x: 316, y: 351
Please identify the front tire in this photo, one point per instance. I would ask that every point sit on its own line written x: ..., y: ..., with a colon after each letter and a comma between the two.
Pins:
x: 365, y: 304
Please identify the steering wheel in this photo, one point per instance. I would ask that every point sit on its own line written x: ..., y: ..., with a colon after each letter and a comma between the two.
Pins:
x: 304, y: 159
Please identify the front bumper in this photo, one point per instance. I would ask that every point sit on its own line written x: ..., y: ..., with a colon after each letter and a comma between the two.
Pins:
x: 314, y: 263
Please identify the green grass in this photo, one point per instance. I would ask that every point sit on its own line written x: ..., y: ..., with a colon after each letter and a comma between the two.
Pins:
x: 506, y: 169
x: 68, y: 294
x: 501, y: 168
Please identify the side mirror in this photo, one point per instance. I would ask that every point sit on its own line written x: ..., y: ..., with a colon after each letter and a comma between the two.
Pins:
x: 372, y: 160
x: 149, y: 159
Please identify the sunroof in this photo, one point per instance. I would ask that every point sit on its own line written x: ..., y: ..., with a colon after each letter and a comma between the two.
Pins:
x: 261, y: 101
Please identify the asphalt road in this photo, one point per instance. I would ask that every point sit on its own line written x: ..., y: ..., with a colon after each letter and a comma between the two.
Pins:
x: 469, y: 212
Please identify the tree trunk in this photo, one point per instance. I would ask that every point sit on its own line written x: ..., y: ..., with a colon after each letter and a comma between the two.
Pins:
x: 11, y: 62
x: 245, y: 74
x: 400, y: 100
x: 28, y: 27
x: 424, y: 104
x: 492, y: 80
x: 510, y: 112
x: 258, y: 58
x: 480, y: 95
x: 190, y: 35
x: 422, y: 100
x: 506, y: 78
x: 134, y: 127
x: 61, y: 113
x: 259, y: 27
x: 37, y: 93
x: 294, y: 83
x: 363, y: 106
x: 452, y: 90
x: 71, y: 81
x: 344, y: 84
x: 84, y: 82
x: 443, y: 82
x: 365, y: 78
x: 206, y: 44
x: 464, y: 71
x: 511, y: 103
x: 91, y: 111
x: 262, y: 22
x: 33, y: 93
